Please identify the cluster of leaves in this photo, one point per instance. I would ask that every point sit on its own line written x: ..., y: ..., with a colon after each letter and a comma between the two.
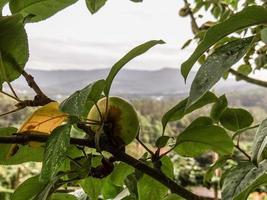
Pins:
x: 68, y: 165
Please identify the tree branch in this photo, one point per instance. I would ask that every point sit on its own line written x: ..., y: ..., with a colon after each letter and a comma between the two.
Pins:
x: 248, y: 79
x: 194, y: 25
x: 118, y: 154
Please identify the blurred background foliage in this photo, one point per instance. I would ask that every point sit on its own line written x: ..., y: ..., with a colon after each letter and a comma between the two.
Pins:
x: 188, y: 171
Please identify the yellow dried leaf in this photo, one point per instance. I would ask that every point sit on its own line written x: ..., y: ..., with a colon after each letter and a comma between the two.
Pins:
x: 43, y: 121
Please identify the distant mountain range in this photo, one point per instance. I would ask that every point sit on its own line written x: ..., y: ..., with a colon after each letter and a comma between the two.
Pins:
x: 164, y: 82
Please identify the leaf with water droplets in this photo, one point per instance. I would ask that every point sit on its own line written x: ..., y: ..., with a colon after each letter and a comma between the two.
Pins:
x: 215, y: 66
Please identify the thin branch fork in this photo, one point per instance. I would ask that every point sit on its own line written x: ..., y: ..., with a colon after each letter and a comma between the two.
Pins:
x: 117, y: 153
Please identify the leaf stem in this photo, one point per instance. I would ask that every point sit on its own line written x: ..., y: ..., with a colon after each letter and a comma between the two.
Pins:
x: 9, y: 95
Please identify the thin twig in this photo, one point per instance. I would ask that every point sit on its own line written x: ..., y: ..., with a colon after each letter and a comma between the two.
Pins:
x: 144, y: 146
x: 194, y: 25
x: 170, y: 150
x: 9, y: 95
x: 13, y: 91
x: 243, y: 151
x: 248, y: 79
x: 9, y: 112
x: 243, y: 130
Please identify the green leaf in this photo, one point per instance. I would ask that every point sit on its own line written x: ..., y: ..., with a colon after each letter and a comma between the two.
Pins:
x: 95, y: 5
x: 235, y: 119
x: 38, y: 9
x: 244, y: 69
x: 215, y: 66
x: 14, y: 50
x: 219, y: 163
x: 81, y: 102
x: 137, y: 51
x: 264, y: 35
x: 167, y: 166
x: 25, y: 153
x: 149, y: 188
x: 218, y: 108
x: 136, y: 1
x: 243, y: 179
x: 202, y: 138
x: 162, y: 141
x: 180, y: 110
x: 121, y: 171
x: 249, y: 16
x: 62, y: 196
x: 259, y: 142
x: 55, y: 151
x: 109, y: 190
x: 173, y: 197
x: 92, y: 187
x: 200, y: 121
x: 29, y: 189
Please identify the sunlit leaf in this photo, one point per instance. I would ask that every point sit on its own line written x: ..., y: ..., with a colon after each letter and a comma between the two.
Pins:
x: 243, y: 179
x: 92, y: 187
x: 180, y: 110
x: 121, y: 171
x: 249, y: 16
x: 215, y: 66
x: 203, y: 137
x: 55, y: 152
x: 38, y: 9
x: 260, y: 142
x: 235, y: 119
x: 137, y: 51
x: 80, y: 102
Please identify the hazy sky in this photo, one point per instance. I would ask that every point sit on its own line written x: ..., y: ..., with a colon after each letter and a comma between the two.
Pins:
x: 76, y: 39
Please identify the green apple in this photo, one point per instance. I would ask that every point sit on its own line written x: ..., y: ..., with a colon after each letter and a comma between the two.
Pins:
x: 120, y: 117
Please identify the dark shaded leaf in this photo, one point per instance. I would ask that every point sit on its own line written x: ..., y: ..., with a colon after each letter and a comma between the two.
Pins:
x: 235, y: 119
x: 14, y: 50
x: 162, y: 141
x: 215, y: 66
x: 95, y: 5
x: 249, y: 16
x: 137, y: 51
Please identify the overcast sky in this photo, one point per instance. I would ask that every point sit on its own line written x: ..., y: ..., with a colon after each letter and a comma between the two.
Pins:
x: 76, y: 39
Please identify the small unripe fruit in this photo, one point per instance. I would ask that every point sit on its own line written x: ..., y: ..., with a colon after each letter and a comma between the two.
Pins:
x: 120, y: 117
